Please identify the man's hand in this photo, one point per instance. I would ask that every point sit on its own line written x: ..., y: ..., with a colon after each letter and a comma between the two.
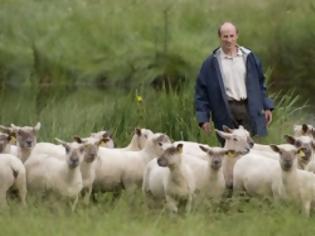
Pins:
x: 207, y: 127
x: 268, y: 116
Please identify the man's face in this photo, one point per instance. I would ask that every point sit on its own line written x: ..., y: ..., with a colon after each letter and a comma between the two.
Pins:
x: 228, y: 37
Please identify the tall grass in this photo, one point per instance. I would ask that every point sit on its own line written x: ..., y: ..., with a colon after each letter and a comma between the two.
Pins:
x: 133, y: 42
x: 67, y: 112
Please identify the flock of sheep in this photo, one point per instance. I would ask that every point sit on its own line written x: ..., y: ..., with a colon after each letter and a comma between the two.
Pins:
x: 174, y: 173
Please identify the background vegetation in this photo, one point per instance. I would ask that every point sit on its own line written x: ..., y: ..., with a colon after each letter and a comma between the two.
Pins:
x: 62, y: 61
x: 134, y: 42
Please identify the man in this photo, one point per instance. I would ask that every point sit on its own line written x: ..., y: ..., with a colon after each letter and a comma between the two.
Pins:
x: 230, y: 87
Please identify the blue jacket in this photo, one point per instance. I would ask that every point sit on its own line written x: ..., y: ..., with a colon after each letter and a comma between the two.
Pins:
x: 211, y: 100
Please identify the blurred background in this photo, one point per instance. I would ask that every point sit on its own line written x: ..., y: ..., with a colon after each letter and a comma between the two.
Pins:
x: 83, y: 65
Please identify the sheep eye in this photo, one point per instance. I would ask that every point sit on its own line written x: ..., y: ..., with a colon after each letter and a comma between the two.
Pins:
x: 160, y: 144
x: 235, y: 139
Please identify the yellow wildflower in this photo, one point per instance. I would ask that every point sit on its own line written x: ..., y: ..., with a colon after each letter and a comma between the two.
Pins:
x: 139, y: 99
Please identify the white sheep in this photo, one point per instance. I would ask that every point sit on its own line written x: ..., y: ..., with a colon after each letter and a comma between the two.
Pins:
x: 239, y: 142
x: 88, y: 165
x: 175, y: 183
x: 306, y: 144
x: 298, y: 185
x: 124, y: 169
x: 12, y: 174
x: 212, y: 182
x: 62, y: 176
x: 26, y: 139
x: 259, y: 175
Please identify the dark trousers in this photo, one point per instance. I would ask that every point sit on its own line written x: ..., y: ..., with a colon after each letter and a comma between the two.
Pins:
x: 240, y: 116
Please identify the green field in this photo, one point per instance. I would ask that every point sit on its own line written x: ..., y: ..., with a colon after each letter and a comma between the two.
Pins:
x: 64, y: 113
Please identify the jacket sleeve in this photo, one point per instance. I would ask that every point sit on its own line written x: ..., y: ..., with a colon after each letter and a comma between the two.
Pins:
x: 267, y: 102
x: 202, y: 106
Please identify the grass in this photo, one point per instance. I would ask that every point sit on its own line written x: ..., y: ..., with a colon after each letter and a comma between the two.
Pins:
x: 129, y: 215
x: 65, y: 112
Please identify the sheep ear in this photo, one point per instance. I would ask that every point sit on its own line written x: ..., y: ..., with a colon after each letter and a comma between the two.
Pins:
x: 241, y: 127
x: 300, y: 153
x: 179, y: 147
x: 223, y: 134
x: 163, y: 138
x: 275, y: 148
x: 37, y: 127
x: 138, y: 131
x: 203, y: 148
x: 60, y: 141
x: 230, y: 153
x: 103, y: 140
x: 14, y: 128
x: 9, y: 137
x: 77, y: 139
x: 7, y: 130
x: 290, y: 139
x: 227, y: 129
x: 304, y: 128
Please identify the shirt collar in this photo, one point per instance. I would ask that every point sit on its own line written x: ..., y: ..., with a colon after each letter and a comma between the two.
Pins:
x: 239, y: 53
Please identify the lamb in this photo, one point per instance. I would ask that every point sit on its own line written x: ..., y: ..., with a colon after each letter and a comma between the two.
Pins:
x: 307, y: 150
x: 239, y: 142
x: 257, y: 176
x: 175, y: 183
x: 124, y: 169
x: 260, y: 176
x: 45, y: 172
x: 88, y: 165
x: 26, y: 138
x: 12, y: 174
x: 299, y: 185
x: 214, y: 183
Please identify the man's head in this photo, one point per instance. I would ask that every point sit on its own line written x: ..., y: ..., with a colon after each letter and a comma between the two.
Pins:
x: 228, y: 35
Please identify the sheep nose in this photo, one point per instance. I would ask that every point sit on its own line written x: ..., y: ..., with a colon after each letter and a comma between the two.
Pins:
x: 216, y: 162
x: 29, y: 143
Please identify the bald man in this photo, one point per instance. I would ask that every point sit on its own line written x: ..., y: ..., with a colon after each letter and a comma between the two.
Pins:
x: 230, y: 87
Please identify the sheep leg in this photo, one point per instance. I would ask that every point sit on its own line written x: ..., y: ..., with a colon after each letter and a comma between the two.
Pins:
x: 3, y: 199
x: 21, y: 186
x: 307, y: 208
x: 87, y: 195
x: 189, y: 203
x: 171, y: 204
x: 75, y: 202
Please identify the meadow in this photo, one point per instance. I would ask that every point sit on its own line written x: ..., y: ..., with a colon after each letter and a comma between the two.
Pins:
x: 67, y: 112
